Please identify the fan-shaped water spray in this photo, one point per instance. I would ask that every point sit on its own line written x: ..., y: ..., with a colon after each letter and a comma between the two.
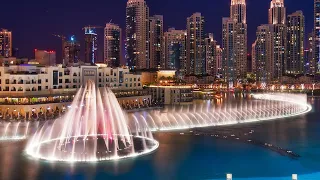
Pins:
x: 263, y: 107
x: 95, y: 128
x: 14, y: 131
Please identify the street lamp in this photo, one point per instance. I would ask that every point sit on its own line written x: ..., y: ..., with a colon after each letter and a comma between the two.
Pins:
x: 294, y: 177
x: 229, y: 176
x: 313, y: 88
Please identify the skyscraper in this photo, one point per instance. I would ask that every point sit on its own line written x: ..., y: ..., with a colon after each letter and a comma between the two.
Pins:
x: 137, y: 34
x: 277, y: 12
x: 210, y: 55
x: 112, y: 45
x: 91, y: 45
x: 218, y: 59
x: 253, y: 55
x: 316, y: 38
x: 277, y: 18
x: 234, y: 34
x: 71, y: 51
x: 262, y: 53
x: 238, y: 11
x: 175, y: 50
x: 156, y: 41
x: 5, y: 43
x: 311, y: 60
x: 195, y: 44
x: 295, y: 41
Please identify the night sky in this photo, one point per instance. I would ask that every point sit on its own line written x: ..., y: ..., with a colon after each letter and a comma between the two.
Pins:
x: 32, y: 22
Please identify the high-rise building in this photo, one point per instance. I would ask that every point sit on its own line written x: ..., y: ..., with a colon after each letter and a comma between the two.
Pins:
x: 5, y: 43
x: 238, y: 11
x: 218, y: 59
x: 156, y: 41
x: 277, y: 12
x: 46, y: 58
x: 306, y: 68
x: 316, y: 37
x: 262, y: 53
x: 195, y: 44
x: 254, y: 60
x: 112, y: 45
x: 295, y: 41
x: 175, y: 50
x: 234, y: 37
x: 210, y: 55
x: 311, y: 60
x: 137, y: 34
x: 91, y: 45
x: 277, y: 17
x: 71, y: 50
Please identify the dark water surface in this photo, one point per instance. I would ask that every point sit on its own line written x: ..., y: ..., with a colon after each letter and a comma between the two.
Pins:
x: 191, y: 157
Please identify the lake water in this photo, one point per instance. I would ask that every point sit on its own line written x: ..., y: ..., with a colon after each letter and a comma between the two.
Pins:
x: 182, y: 157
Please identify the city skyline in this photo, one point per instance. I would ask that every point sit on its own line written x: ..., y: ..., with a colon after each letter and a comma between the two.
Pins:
x: 212, y: 15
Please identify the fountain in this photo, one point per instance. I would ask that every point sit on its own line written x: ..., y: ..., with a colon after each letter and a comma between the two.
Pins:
x: 94, y: 129
x: 261, y: 108
x: 15, y: 131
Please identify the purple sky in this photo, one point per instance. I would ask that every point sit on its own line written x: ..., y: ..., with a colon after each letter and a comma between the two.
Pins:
x: 32, y: 23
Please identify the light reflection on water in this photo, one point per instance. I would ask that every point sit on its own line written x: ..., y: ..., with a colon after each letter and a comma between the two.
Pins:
x: 190, y: 157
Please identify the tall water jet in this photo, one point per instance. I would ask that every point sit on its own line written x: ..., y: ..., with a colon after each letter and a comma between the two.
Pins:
x: 94, y: 129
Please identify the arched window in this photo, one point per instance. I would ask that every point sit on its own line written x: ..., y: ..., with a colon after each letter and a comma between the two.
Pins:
x: 20, y: 89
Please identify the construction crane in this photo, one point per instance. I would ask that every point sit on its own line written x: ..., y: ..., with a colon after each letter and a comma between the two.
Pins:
x: 63, y: 40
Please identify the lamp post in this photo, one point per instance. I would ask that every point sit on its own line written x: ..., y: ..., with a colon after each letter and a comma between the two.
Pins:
x: 313, y: 88
x: 294, y: 177
x: 229, y: 176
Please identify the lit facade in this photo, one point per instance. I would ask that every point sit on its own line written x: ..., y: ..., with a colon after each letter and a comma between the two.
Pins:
x: 46, y: 58
x: 175, y: 50
x: 156, y: 41
x: 316, y: 37
x: 238, y: 11
x: 311, y: 61
x: 5, y: 43
x: 91, y: 45
x: 195, y: 45
x: 137, y: 34
x: 262, y: 53
x: 210, y: 55
x: 277, y: 18
x: 218, y: 60
x: 71, y: 51
x: 277, y: 12
x: 170, y: 95
x: 112, y: 45
x: 39, y: 80
x: 253, y: 54
x: 31, y: 92
x: 295, y: 40
x: 234, y: 43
